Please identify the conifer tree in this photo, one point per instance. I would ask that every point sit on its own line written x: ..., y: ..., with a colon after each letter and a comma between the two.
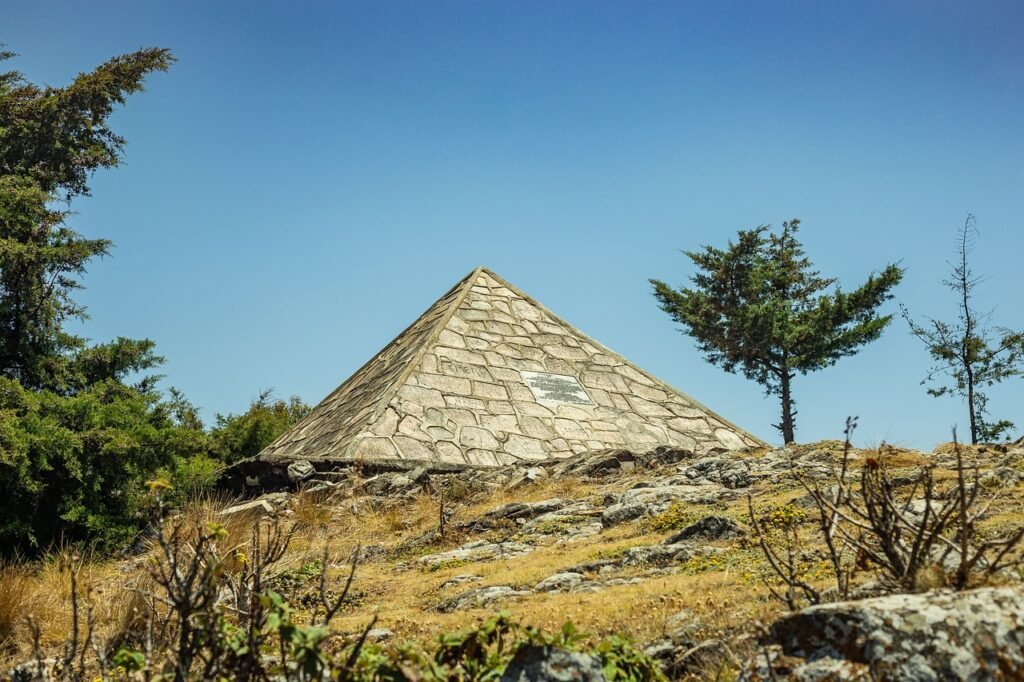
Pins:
x: 51, y: 141
x: 970, y: 353
x: 758, y: 307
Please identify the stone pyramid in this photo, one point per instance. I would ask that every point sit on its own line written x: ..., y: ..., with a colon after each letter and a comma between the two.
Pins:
x: 488, y: 376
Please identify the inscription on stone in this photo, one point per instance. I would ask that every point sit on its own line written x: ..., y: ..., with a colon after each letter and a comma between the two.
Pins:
x: 556, y: 388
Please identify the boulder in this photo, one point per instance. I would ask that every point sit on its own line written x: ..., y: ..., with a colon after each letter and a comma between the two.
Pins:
x: 938, y: 635
x: 559, y: 582
x: 622, y: 512
x: 254, y: 507
x: 480, y: 597
x: 551, y: 664
x: 527, y: 477
x: 479, y: 550
x: 514, y: 511
x: 300, y: 470
x: 655, y: 555
x: 708, y: 528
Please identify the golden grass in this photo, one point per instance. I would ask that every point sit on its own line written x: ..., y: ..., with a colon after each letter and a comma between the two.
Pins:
x: 16, y: 581
x: 723, y: 596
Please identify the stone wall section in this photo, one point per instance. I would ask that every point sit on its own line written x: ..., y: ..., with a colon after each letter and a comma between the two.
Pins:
x: 466, y: 401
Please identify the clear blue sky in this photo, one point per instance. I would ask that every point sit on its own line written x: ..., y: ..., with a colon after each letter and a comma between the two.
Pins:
x: 310, y: 176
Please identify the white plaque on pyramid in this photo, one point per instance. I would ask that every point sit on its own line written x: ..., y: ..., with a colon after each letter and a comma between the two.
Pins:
x: 556, y: 389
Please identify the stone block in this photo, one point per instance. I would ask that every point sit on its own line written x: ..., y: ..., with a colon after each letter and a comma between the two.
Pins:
x: 412, y: 448
x: 606, y: 381
x: 524, y: 310
x: 461, y: 355
x: 647, y: 392
x: 564, y: 352
x: 524, y: 447
x: 449, y: 452
x: 425, y: 397
x: 556, y: 366
x: 567, y: 428
x: 472, y: 315
x: 633, y: 375
x: 531, y: 409
x: 376, y: 448
x: 536, y: 428
x: 484, y: 458
x: 505, y: 374
x: 519, y: 391
x: 465, y: 403
x: 451, y: 339
x: 687, y: 425
x: 500, y: 407
x: 489, y: 391
x: 607, y: 360
x: 729, y: 439
x: 476, y: 437
x: 508, y: 351
x: 461, y: 369
x: 386, y: 424
x: 499, y: 422
x: 647, y: 408
x: 428, y: 363
x: 439, y: 433
x: 462, y: 417
x: 410, y: 426
x: 528, y: 365
x: 445, y: 384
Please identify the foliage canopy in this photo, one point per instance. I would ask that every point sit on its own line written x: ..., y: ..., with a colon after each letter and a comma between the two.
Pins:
x: 758, y: 307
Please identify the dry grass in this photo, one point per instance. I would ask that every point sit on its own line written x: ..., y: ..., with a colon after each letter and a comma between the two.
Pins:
x: 16, y: 583
x: 726, y: 598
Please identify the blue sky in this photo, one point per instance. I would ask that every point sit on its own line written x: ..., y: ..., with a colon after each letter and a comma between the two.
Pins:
x: 310, y: 176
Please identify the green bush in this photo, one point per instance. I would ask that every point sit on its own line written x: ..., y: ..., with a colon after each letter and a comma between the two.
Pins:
x: 73, y: 468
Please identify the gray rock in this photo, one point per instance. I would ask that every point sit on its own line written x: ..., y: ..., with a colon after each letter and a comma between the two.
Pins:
x: 708, y: 528
x: 551, y: 664
x: 461, y: 580
x: 479, y: 550
x: 514, y: 511
x: 728, y: 471
x: 480, y: 598
x: 379, y: 635
x: 33, y: 671
x: 655, y: 555
x: 938, y: 635
x: 527, y: 477
x: 559, y: 582
x: 622, y: 512
x: 253, y: 507
x: 300, y: 470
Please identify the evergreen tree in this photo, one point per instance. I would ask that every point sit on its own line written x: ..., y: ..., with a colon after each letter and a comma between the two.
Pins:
x: 238, y: 436
x: 967, y: 351
x: 51, y: 141
x: 759, y: 308
x: 77, y: 438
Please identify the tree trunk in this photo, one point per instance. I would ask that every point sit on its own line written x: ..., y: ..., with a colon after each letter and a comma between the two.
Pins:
x: 787, y: 408
x: 970, y: 406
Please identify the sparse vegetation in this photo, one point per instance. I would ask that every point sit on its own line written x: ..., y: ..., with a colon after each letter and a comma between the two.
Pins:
x: 971, y: 354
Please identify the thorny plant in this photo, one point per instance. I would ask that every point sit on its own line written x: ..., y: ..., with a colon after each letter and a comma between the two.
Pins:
x: 211, y: 616
x: 913, y: 540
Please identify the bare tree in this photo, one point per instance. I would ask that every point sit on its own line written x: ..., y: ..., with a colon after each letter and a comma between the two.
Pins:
x: 970, y: 353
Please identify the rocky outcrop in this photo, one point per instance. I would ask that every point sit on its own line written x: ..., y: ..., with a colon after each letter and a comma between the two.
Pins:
x: 552, y: 664
x: 708, y: 528
x: 939, y: 635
